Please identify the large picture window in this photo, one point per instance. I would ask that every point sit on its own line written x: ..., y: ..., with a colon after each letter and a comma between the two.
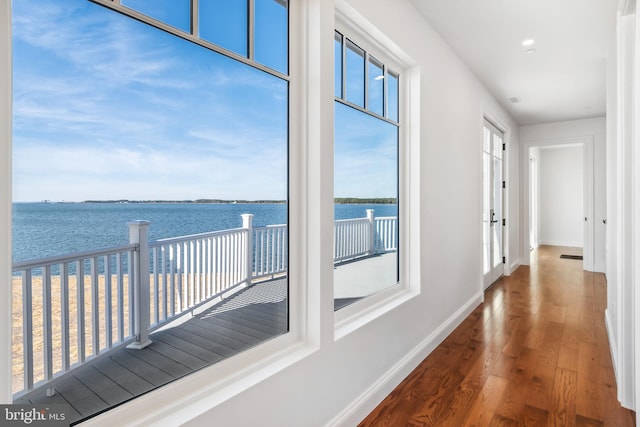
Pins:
x: 150, y: 233
x: 365, y: 173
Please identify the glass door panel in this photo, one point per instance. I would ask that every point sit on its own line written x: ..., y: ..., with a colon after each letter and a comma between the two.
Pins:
x: 492, y: 212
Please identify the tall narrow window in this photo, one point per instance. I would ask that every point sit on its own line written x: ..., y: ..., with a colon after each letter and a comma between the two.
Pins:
x: 365, y: 174
x: 150, y: 194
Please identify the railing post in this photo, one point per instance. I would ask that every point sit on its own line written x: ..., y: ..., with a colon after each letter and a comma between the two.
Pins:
x: 138, y: 234
x: 372, y: 232
x: 247, y: 223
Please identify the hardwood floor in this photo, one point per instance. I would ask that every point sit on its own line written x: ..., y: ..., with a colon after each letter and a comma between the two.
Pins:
x: 535, y: 353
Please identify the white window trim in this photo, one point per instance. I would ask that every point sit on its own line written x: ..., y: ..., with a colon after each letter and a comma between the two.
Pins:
x: 5, y: 201
x: 356, y: 28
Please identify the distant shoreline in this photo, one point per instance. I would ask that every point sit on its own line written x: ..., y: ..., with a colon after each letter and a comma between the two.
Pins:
x: 337, y: 200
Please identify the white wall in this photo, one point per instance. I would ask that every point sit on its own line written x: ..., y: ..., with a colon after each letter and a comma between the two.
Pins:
x: 352, y: 374
x: 587, y: 129
x: 337, y: 382
x: 623, y: 210
x: 560, y: 196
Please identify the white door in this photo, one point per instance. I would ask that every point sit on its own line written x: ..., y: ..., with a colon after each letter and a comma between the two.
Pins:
x: 492, y: 216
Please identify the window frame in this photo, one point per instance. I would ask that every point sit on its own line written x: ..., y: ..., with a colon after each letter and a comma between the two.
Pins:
x: 352, y: 26
x: 5, y: 200
x: 194, y: 34
x: 212, y: 385
x: 313, y: 323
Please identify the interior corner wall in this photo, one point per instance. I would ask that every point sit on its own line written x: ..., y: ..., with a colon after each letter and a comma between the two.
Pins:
x: 561, y: 196
x: 622, y: 121
x: 595, y: 128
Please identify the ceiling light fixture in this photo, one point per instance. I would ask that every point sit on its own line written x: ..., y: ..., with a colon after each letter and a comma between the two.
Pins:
x: 528, y: 42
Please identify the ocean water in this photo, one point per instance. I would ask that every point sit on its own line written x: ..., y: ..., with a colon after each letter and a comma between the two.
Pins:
x: 48, y: 229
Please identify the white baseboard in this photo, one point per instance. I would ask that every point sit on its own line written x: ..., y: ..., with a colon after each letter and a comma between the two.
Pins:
x: 362, y: 406
x: 560, y: 243
x: 513, y: 266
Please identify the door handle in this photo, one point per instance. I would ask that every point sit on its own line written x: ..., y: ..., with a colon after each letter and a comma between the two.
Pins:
x: 493, y: 215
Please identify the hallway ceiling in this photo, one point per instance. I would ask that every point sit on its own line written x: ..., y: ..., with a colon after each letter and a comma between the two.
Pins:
x: 564, y: 79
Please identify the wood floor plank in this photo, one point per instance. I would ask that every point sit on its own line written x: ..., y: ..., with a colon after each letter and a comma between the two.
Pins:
x: 564, y: 398
x: 588, y: 400
x: 486, y: 402
x: 534, y: 417
x: 537, y: 354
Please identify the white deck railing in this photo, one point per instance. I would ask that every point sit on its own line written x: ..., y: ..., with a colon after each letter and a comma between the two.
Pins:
x: 73, y: 307
x: 76, y: 307
x: 367, y: 236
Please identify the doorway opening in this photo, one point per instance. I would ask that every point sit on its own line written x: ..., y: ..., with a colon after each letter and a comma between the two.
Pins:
x: 560, y: 197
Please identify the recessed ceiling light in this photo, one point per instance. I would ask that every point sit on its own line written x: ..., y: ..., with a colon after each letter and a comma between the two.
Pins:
x: 528, y: 42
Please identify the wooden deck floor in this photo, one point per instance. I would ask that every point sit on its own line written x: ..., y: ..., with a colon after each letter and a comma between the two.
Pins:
x: 244, y: 320
x: 535, y: 353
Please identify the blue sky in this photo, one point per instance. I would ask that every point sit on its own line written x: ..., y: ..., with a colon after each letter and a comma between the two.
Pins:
x: 106, y: 107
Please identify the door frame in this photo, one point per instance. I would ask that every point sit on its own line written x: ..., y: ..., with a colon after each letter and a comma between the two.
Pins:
x: 534, y: 212
x: 504, y: 235
x: 587, y: 143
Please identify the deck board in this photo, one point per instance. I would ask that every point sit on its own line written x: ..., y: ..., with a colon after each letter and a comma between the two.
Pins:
x: 142, y: 369
x: 227, y: 339
x: 217, y: 327
x: 241, y: 321
x: 103, y: 386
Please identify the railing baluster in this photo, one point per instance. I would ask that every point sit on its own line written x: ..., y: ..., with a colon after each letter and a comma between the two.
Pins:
x: 108, y: 302
x: 172, y: 278
x: 165, y: 293
x: 80, y: 309
x: 120, y: 279
x: 156, y: 286
x: 27, y: 327
x: 218, y: 265
x: 197, y: 258
x: 95, y: 306
x: 64, y: 316
x: 130, y: 277
x: 47, y: 336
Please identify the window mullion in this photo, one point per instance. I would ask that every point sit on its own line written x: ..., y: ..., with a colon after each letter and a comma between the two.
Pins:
x: 195, y: 20
x: 251, y: 7
x: 385, y: 88
x: 344, y: 67
x: 366, y: 80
